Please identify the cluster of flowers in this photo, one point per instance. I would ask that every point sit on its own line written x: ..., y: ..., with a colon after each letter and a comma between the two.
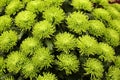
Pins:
x: 59, y: 40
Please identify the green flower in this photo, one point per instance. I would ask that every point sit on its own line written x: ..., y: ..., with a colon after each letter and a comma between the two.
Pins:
x: 29, y: 46
x: 13, y: 7
x: 106, y: 52
x: 117, y: 61
x: 3, y: 3
x: 5, y: 23
x: 113, y: 12
x: 54, y: 15
x: 101, y: 14
x: 14, y: 61
x: 42, y: 58
x: 82, y: 4
x: 2, y: 66
x: 25, y: 19
x: 88, y: 45
x: 96, y: 28
x: 95, y: 68
x: 9, y: 78
x: 77, y: 22
x: 8, y: 39
x: 67, y: 62
x: 116, y: 6
x: 113, y: 73
x: 43, y: 29
x: 35, y: 6
x: 65, y: 42
x: 47, y: 76
x: 29, y: 70
x: 115, y: 24
x: 111, y: 37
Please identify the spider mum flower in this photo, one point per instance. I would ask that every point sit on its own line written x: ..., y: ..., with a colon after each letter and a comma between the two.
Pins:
x: 43, y: 29
x: 116, y: 6
x: 29, y: 70
x: 68, y: 62
x: 47, y: 76
x: 117, y: 61
x: 42, y: 58
x: 96, y: 28
x: 29, y: 46
x: 8, y: 39
x: 35, y: 6
x: 115, y: 14
x: 77, y: 22
x: 14, y: 61
x: 13, y: 7
x: 87, y: 45
x: 106, y: 52
x: 54, y: 15
x: 113, y: 73
x: 111, y: 37
x: 25, y: 19
x: 5, y: 23
x: 82, y: 4
x: 115, y: 24
x: 65, y: 42
x: 101, y: 14
x: 2, y: 66
x: 95, y: 68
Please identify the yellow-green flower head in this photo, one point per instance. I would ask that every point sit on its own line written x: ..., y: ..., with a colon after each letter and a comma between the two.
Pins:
x: 4, y: 3
x: 115, y: 24
x: 96, y: 28
x: 116, y: 5
x: 43, y: 29
x: 65, y: 42
x: 47, y: 76
x: 94, y: 68
x: 56, y: 3
x: 106, y: 52
x: 87, y: 45
x: 14, y: 61
x: 117, y: 61
x: 5, y: 23
x: 35, y: 6
x: 68, y: 62
x: 111, y: 37
x: 29, y: 46
x: 42, y: 58
x: 77, y: 22
x: 29, y: 70
x: 54, y: 15
x: 101, y: 14
x: 26, y: 1
x: 25, y: 19
x: 113, y: 73
x: 13, y: 7
x: 82, y: 4
x: 2, y: 65
x: 8, y: 39
x: 115, y: 14
x: 9, y: 78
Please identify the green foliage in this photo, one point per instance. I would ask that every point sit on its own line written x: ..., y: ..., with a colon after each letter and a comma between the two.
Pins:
x: 87, y: 45
x: 43, y: 30
x: 113, y: 73
x: 77, y: 22
x: 67, y: 62
x: 94, y: 67
x: 47, y: 76
x: 25, y: 19
x: 65, y: 42
x: 82, y: 4
x: 5, y: 23
x: 8, y: 39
